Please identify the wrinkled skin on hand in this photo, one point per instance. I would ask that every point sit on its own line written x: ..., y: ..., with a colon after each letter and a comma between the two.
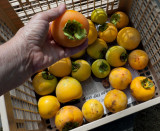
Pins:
x: 31, y: 49
x: 43, y: 49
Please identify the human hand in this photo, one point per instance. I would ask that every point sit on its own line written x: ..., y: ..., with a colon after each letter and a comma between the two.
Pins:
x: 41, y: 48
x: 30, y: 50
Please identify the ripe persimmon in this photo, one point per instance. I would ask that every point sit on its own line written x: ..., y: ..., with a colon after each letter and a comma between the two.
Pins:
x: 70, y: 29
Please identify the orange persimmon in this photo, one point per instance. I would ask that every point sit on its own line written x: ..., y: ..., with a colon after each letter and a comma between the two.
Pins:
x: 70, y: 29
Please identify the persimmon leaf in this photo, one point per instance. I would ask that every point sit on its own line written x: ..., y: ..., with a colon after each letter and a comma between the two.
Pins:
x: 74, y: 31
x: 115, y: 18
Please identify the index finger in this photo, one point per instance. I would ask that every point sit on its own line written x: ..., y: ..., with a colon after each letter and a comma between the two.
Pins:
x: 51, y: 14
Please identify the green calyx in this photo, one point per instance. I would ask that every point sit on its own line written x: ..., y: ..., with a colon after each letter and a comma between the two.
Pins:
x: 103, y: 67
x: 73, y: 30
x: 70, y: 125
x: 75, y: 66
x: 102, y: 53
x: 47, y: 76
x: 115, y: 18
x: 124, y: 57
x: 146, y: 83
x: 103, y: 27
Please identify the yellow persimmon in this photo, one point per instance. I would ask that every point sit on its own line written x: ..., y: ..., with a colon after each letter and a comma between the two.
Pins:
x: 120, y: 78
x: 44, y: 83
x: 61, y: 68
x: 138, y: 59
x: 92, y: 35
x: 79, y: 54
x: 92, y: 110
x: 142, y: 88
x: 129, y: 38
x: 108, y: 32
x: 81, y: 70
x: 120, y: 19
x: 48, y: 106
x: 116, y: 56
x: 115, y: 101
x: 68, y: 117
x: 98, y: 49
x: 68, y: 89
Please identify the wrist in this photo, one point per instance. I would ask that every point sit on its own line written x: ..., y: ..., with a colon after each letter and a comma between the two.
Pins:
x: 22, y: 50
x: 15, y: 64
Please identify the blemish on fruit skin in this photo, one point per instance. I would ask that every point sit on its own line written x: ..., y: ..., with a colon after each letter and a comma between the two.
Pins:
x: 92, y: 111
x: 136, y: 59
x: 96, y: 104
x: 113, y: 103
x: 58, y: 112
x: 116, y: 75
x: 113, y: 109
x: 131, y: 91
x: 115, y: 95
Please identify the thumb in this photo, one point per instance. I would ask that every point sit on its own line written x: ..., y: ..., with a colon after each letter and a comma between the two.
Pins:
x: 52, y: 14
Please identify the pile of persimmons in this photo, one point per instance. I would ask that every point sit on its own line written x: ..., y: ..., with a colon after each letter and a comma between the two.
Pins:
x: 65, y: 76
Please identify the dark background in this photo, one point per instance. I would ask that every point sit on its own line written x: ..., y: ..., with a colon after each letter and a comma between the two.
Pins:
x: 145, y: 120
